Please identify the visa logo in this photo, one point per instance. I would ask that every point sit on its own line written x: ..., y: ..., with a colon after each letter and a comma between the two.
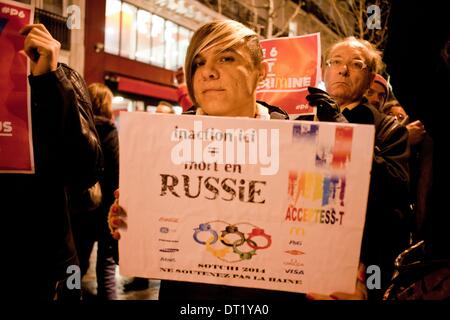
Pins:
x: 294, y: 271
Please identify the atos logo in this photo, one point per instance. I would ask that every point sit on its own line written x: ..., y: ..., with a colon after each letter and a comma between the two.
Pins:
x: 6, y: 129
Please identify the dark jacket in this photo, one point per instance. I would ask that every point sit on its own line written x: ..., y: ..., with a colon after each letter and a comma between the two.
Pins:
x: 109, y: 180
x: 177, y: 290
x: 388, y: 220
x: 89, y: 221
x: 425, y: 100
x: 109, y: 141
x: 67, y: 155
x: 421, y: 172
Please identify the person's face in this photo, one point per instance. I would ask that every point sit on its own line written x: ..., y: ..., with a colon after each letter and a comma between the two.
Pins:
x: 163, y: 109
x: 344, y: 83
x: 224, y: 83
x: 376, y: 95
x: 397, y: 112
x: 179, y: 76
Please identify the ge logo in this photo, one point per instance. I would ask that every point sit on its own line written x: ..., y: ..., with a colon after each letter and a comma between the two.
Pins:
x: 164, y: 230
x: 374, y: 21
x: 74, y: 17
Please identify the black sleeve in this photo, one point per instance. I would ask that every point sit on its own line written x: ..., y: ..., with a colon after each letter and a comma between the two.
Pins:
x: 387, y: 225
x: 390, y: 161
x: 64, y: 134
x: 110, y: 181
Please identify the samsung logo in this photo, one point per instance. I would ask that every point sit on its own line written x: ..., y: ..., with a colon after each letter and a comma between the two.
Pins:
x: 166, y: 230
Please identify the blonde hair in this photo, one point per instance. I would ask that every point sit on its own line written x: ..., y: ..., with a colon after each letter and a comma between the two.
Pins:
x: 372, y: 54
x: 224, y: 34
x: 101, y: 98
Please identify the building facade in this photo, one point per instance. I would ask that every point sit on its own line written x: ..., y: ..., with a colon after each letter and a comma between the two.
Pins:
x: 135, y: 46
x: 54, y: 14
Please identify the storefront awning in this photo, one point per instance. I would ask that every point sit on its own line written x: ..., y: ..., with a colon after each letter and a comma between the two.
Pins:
x: 146, y: 89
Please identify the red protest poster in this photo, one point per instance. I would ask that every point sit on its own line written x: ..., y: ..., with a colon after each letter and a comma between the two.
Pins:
x: 16, y: 146
x: 293, y: 65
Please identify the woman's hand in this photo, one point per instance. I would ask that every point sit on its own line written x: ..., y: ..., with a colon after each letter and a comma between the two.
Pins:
x: 116, y: 217
x: 41, y: 48
x: 416, y: 132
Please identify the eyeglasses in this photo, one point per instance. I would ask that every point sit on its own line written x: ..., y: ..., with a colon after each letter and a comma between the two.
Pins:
x: 355, y: 65
x: 400, y: 116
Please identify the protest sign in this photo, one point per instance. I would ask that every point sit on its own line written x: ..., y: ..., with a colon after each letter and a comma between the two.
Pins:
x: 244, y: 202
x: 293, y: 65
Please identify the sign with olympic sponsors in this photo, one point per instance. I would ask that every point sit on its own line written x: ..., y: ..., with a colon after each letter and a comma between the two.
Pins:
x: 244, y: 202
x: 293, y: 66
x: 16, y: 146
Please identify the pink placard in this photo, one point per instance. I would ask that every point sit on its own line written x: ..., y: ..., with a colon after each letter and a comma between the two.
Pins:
x: 293, y: 66
x: 16, y: 146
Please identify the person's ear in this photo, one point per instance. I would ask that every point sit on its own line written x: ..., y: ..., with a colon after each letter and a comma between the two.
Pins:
x: 263, y: 69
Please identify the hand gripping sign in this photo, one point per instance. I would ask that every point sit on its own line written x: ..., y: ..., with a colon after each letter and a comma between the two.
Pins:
x: 219, y: 216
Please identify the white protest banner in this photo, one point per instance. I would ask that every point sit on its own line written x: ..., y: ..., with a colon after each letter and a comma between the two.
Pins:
x: 244, y: 202
x: 16, y: 146
x: 293, y: 65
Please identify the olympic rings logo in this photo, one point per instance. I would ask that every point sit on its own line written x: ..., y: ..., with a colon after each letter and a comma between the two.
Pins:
x: 229, y: 240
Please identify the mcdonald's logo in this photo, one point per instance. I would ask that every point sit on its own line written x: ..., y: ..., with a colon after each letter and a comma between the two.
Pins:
x: 298, y: 231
